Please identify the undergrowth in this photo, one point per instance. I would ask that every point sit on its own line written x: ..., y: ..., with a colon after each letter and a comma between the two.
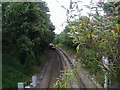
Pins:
x: 88, y: 61
x: 13, y: 71
x: 64, y: 79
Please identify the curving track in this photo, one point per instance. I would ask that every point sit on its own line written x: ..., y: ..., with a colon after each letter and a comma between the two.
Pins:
x: 56, y: 61
x: 52, y: 70
x: 78, y: 83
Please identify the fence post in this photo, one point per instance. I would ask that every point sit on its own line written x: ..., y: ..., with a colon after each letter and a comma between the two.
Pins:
x: 20, y: 86
x: 34, y: 80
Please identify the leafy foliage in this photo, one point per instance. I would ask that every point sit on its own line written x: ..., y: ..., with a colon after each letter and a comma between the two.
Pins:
x: 63, y: 38
x: 64, y: 79
x: 96, y: 35
x: 27, y: 31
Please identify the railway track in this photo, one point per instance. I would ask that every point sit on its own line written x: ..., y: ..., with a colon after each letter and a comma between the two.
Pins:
x: 57, y: 61
x: 52, y: 70
x: 83, y: 80
x: 70, y: 65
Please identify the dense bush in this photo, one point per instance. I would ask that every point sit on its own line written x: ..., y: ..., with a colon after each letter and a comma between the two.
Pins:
x: 96, y: 35
x: 27, y: 32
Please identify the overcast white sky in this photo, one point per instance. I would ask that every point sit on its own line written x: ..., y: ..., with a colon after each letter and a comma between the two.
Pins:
x: 58, y: 14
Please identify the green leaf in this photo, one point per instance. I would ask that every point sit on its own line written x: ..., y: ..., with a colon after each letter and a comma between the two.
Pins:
x: 77, y: 48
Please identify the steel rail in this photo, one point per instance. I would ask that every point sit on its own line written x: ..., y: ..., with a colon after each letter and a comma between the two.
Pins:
x: 82, y: 85
x: 94, y: 84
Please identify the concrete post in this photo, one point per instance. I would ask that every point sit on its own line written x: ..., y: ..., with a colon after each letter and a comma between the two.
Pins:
x: 106, y: 64
x: 34, y: 80
x: 20, y: 86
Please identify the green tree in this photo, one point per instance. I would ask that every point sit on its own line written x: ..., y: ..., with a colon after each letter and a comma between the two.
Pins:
x: 27, y: 32
x: 96, y: 35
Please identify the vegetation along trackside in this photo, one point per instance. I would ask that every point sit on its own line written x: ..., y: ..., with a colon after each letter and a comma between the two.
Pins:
x: 27, y: 32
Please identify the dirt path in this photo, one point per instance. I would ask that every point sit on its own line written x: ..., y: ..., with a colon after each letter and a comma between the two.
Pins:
x: 51, y: 71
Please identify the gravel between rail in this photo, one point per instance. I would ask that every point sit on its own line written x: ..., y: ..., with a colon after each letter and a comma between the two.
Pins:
x: 56, y: 60
x: 51, y: 70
